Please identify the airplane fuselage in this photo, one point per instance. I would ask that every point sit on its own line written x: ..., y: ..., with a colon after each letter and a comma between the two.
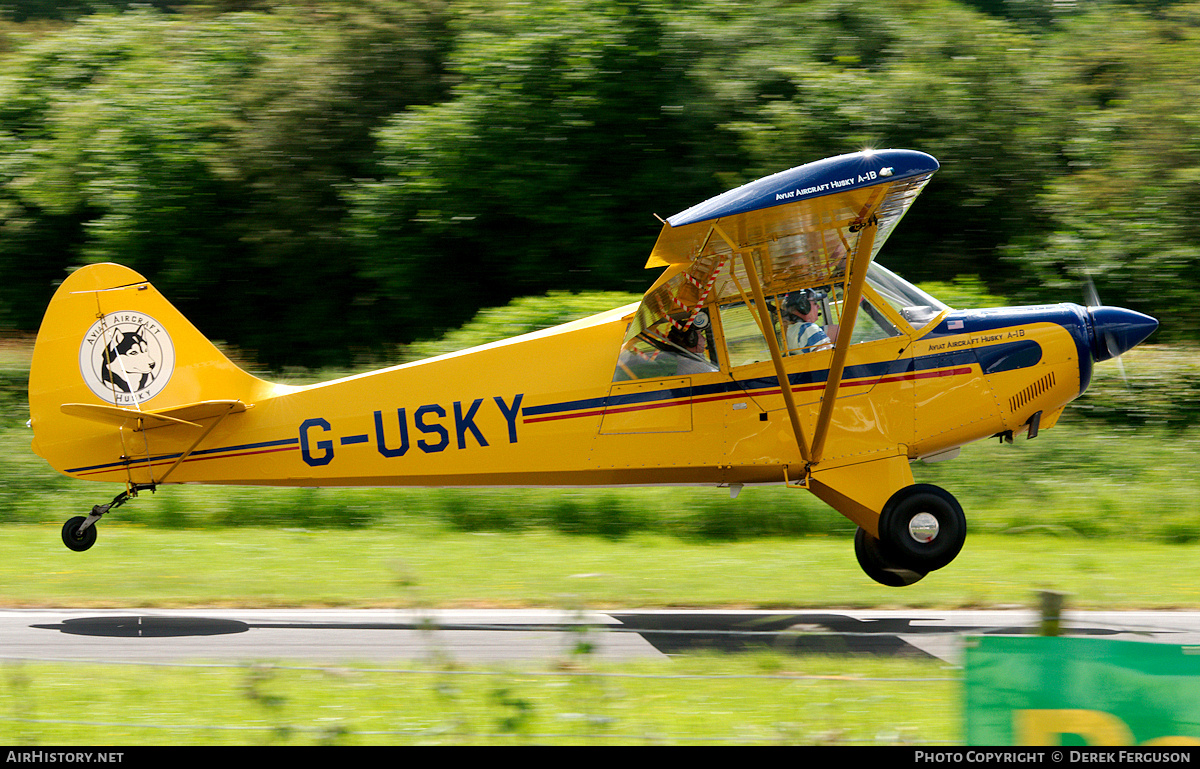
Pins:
x: 479, y: 417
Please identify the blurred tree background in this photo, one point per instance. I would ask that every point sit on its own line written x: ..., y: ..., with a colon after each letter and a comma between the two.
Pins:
x: 311, y: 181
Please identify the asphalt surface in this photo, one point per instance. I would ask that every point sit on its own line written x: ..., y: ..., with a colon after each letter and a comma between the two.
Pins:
x: 486, y: 636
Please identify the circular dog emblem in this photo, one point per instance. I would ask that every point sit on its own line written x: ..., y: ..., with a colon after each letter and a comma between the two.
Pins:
x: 126, y: 358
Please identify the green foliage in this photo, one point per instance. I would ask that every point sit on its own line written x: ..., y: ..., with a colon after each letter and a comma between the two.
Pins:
x: 1122, y: 214
x: 1157, y: 386
x: 702, y: 515
x: 570, y: 124
x: 521, y: 316
x: 208, y: 153
x: 314, y: 181
x: 965, y: 292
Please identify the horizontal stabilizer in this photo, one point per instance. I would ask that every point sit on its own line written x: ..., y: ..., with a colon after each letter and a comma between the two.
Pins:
x: 187, y: 415
x: 194, y: 412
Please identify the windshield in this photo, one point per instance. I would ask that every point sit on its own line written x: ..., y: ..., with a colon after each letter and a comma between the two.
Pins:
x: 913, y: 304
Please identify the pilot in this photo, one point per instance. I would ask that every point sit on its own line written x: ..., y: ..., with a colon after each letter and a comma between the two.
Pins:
x: 804, y: 335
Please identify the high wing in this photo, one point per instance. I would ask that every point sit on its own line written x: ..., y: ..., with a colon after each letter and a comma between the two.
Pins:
x: 800, y: 225
x: 819, y: 224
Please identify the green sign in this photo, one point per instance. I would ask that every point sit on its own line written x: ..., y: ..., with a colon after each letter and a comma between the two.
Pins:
x: 1081, y: 691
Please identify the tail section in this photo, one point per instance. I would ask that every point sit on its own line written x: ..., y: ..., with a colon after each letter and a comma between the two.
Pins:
x: 113, y: 361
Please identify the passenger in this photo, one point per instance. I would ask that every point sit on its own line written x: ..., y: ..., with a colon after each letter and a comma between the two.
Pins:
x: 692, y: 341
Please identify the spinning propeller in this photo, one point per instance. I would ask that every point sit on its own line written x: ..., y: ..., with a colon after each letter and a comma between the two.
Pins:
x: 1115, y: 330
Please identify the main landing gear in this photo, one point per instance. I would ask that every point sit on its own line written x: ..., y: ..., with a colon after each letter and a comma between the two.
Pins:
x: 79, y: 533
x: 921, y: 529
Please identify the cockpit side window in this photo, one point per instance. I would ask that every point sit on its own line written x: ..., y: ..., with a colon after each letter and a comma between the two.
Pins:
x: 744, y: 340
x: 803, y: 321
x: 871, y: 324
x: 669, y: 348
x: 671, y: 334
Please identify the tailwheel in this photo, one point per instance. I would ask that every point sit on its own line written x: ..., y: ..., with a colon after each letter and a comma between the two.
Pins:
x: 879, y: 566
x: 79, y: 533
x: 77, y: 538
x: 922, y: 527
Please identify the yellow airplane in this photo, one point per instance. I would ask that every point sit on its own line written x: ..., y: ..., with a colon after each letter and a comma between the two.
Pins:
x: 771, y: 350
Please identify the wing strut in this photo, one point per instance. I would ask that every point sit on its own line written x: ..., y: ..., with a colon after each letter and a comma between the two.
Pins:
x: 853, y: 296
x: 223, y: 409
x: 850, y: 302
x: 785, y: 386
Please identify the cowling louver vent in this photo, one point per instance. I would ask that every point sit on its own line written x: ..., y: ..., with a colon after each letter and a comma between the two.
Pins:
x: 1026, y: 396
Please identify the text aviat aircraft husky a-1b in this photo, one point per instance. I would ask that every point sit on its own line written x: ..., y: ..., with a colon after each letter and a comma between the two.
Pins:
x: 771, y: 350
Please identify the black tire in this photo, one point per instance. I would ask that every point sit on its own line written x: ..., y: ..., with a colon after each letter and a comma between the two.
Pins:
x: 922, y: 548
x: 876, y: 565
x: 74, y: 539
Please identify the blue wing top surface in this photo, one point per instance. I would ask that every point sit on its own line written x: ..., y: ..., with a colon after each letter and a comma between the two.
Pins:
x: 812, y: 180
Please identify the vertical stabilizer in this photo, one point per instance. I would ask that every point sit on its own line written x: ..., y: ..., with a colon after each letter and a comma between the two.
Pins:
x: 110, y: 347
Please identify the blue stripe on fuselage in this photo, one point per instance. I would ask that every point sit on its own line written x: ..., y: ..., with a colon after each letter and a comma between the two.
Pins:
x: 1016, y: 354
x: 199, y: 453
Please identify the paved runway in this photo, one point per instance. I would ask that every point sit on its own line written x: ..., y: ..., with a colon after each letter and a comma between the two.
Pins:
x: 485, y: 636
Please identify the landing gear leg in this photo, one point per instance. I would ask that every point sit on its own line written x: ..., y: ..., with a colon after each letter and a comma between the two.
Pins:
x: 79, y: 533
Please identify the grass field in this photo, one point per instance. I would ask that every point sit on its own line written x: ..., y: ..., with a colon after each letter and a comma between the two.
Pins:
x: 697, y: 700
x: 427, y: 566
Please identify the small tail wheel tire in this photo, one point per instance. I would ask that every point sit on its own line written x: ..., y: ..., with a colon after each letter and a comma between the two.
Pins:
x: 922, y: 527
x: 75, y: 539
x: 876, y: 564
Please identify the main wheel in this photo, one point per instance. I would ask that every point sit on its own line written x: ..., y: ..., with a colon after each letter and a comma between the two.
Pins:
x: 73, y: 538
x: 876, y: 565
x: 922, y: 527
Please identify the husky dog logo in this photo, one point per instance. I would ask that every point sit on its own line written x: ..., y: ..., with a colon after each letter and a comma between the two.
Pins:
x: 126, y: 358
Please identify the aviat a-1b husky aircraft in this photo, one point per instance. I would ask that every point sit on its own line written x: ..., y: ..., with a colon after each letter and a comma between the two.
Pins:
x: 771, y: 350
